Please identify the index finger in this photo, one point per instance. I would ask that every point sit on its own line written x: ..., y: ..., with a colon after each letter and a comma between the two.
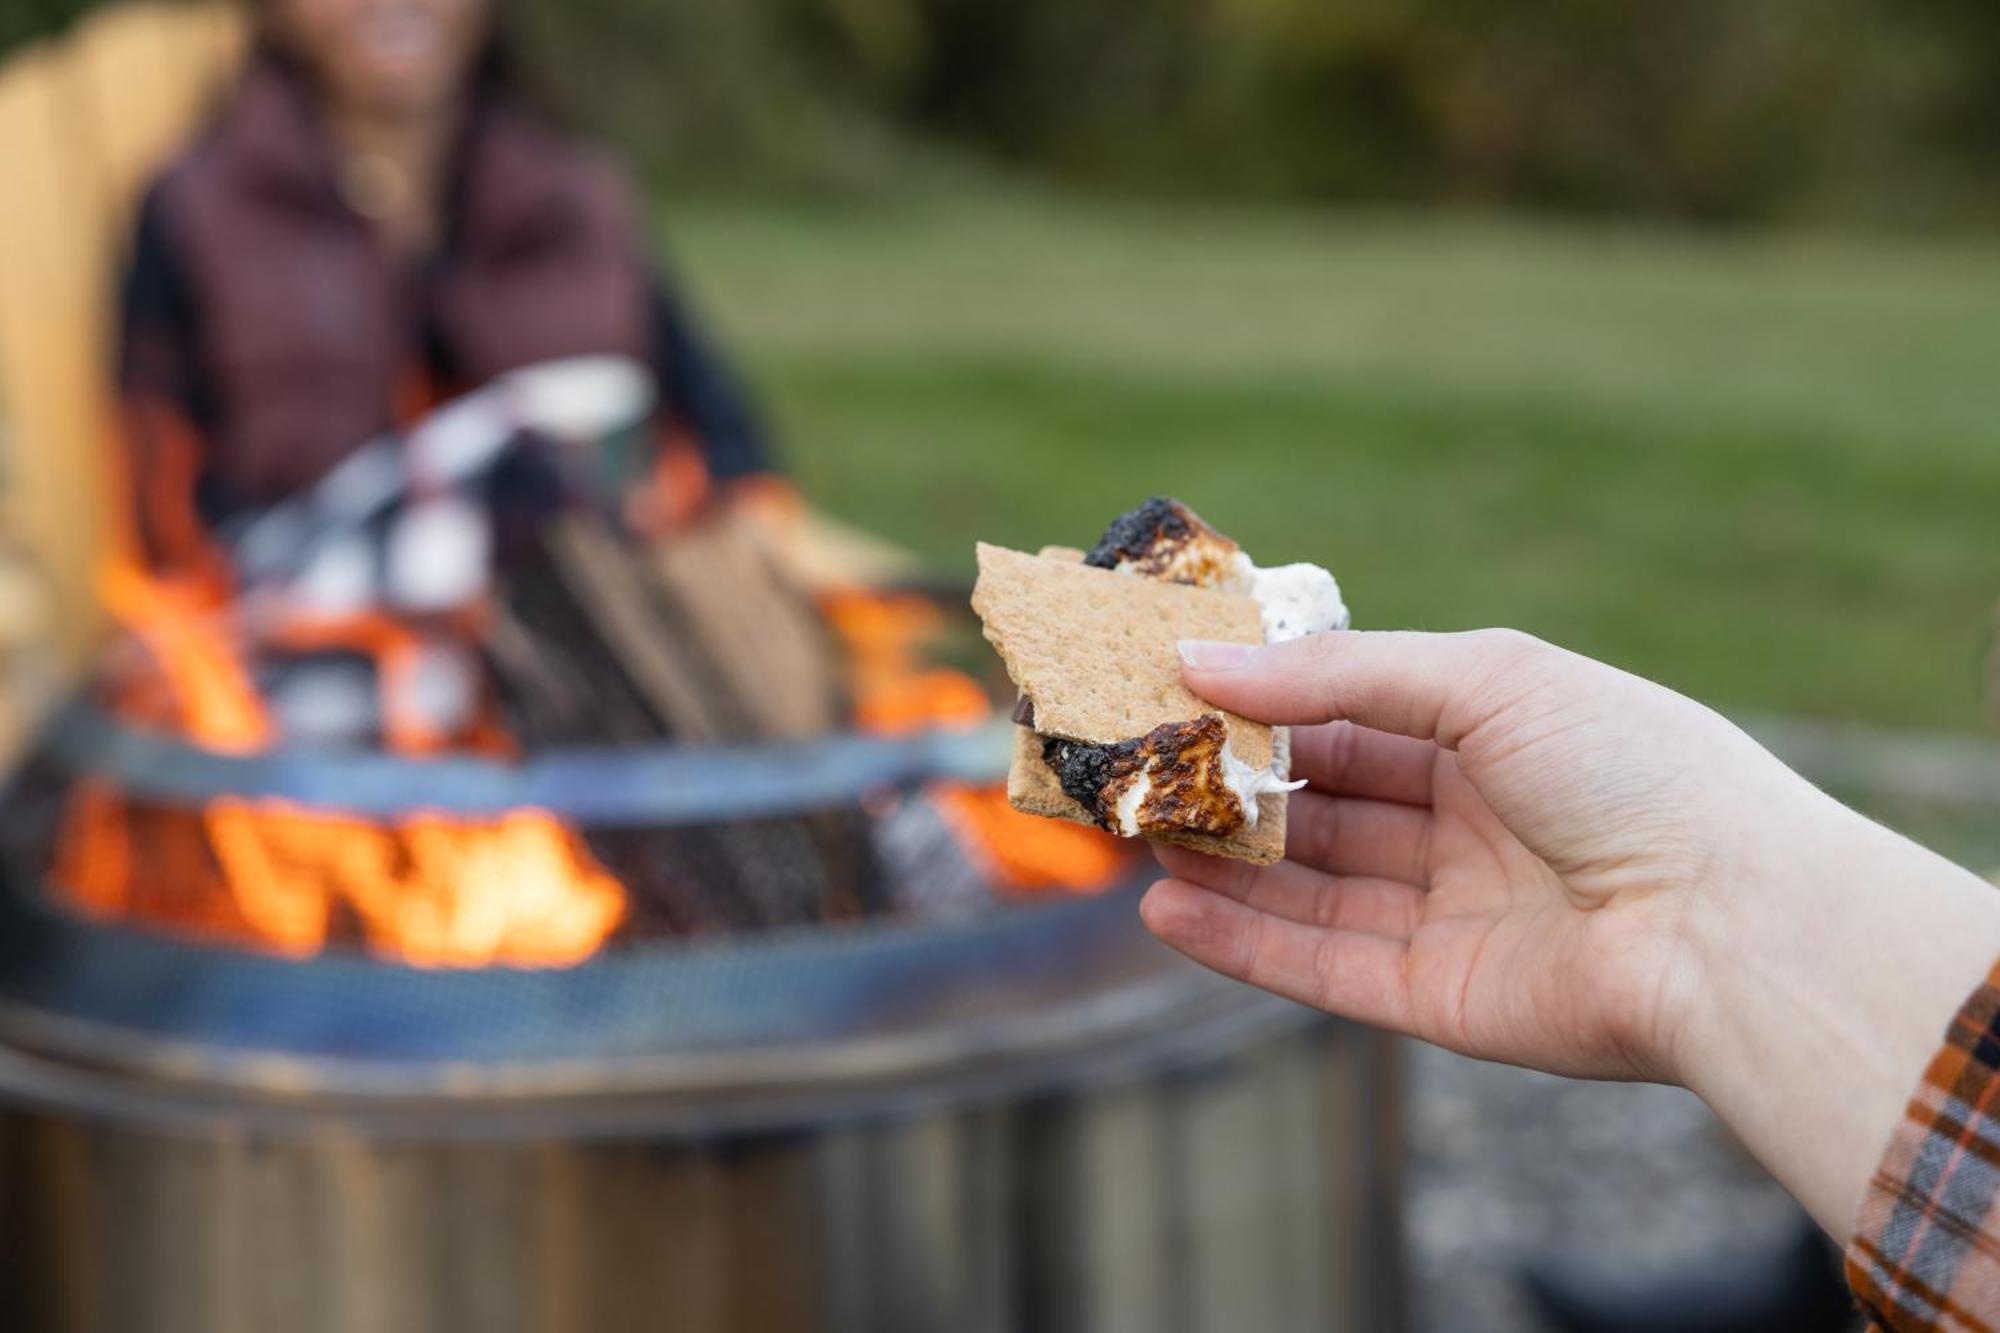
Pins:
x: 1431, y: 686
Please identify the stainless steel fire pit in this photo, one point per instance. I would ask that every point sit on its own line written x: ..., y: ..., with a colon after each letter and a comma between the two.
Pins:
x: 1033, y: 1119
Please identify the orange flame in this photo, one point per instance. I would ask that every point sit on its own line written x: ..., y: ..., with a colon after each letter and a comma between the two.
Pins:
x: 520, y: 888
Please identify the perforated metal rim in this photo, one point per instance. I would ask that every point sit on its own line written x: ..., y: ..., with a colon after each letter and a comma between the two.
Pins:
x: 863, y: 1020
x: 632, y: 786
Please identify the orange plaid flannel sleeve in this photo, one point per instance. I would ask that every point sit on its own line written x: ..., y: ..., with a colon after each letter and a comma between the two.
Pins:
x: 1926, y: 1250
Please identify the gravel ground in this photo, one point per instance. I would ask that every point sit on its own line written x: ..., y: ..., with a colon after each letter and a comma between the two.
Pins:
x: 1508, y: 1165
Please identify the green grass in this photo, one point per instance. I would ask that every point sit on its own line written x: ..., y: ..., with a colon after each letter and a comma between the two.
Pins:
x: 1767, y: 472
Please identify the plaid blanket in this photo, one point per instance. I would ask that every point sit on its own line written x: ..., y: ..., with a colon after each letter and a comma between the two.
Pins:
x: 1926, y: 1250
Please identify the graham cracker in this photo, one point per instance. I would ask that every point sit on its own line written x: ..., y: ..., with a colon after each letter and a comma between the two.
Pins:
x: 1095, y: 650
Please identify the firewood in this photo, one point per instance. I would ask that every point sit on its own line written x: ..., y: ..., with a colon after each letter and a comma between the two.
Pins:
x: 599, y: 642
x: 768, y: 638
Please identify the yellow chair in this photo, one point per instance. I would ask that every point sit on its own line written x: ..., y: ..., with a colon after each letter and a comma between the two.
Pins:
x: 85, y: 120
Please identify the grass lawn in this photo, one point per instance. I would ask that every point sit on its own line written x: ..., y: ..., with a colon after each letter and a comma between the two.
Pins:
x: 1765, y: 471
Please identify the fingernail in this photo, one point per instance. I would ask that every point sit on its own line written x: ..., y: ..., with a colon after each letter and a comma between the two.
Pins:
x: 1216, y: 655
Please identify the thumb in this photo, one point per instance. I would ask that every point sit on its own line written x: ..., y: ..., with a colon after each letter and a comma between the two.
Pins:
x: 1431, y: 686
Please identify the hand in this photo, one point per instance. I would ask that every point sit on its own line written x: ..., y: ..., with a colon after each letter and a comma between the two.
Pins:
x: 1501, y: 860
x: 1524, y: 855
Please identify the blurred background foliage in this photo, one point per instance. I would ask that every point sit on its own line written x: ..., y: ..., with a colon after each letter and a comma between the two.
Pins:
x: 1003, y: 267
x: 1700, y: 109
x: 1708, y: 109
x: 1733, y: 110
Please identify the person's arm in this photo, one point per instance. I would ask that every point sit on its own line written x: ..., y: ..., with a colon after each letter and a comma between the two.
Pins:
x: 1524, y: 855
x: 712, y: 447
x: 1923, y: 1256
x: 165, y: 406
x: 701, y: 395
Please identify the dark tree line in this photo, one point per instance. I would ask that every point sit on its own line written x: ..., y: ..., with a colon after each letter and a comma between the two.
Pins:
x: 1733, y: 110
x: 1729, y: 110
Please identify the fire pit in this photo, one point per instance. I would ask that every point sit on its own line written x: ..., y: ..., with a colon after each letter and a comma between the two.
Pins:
x: 727, y: 993
x: 1031, y: 1119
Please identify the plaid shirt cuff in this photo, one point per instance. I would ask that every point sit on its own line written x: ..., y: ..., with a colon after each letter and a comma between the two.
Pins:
x: 1926, y: 1249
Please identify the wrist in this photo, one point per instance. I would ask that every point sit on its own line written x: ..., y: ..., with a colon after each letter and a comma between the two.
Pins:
x: 1824, y: 980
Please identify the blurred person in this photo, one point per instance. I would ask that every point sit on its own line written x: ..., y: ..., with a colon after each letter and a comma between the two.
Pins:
x: 377, y: 218
x: 1523, y: 855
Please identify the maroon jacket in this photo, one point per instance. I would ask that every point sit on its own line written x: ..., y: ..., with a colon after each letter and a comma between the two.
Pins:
x: 261, y: 310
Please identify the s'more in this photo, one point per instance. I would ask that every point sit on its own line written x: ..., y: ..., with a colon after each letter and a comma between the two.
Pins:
x: 1107, y: 734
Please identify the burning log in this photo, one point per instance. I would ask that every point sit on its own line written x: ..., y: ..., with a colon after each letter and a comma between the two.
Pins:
x: 700, y: 641
x: 765, y: 636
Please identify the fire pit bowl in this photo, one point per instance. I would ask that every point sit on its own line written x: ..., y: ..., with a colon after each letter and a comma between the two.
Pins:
x: 1034, y: 1118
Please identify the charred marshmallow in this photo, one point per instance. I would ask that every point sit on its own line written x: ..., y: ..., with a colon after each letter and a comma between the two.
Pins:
x: 1164, y: 539
x: 1181, y: 776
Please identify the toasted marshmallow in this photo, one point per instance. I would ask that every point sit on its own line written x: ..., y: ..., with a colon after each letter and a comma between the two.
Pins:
x: 1164, y: 539
x: 1179, y: 777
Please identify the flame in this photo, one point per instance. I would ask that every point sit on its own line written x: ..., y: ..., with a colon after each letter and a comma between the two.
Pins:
x: 195, y: 676
x: 1027, y: 853
x: 519, y: 888
x: 428, y: 890
x: 895, y: 693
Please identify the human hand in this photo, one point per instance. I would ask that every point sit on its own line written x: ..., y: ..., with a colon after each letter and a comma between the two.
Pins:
x: 1505, y: 849
x: 1524, y: 855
